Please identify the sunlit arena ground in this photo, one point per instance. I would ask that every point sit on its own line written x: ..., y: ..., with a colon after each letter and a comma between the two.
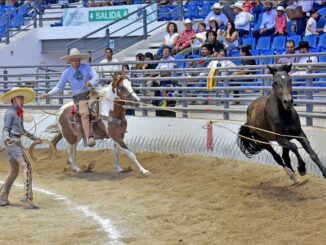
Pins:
x: 185, y: 200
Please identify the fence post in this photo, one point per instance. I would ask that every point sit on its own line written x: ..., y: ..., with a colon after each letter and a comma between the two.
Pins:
x: 185, y: 102
x: 40, y: 16
x: 5, y: 79
x: 143, y: 93
x: 107, y: 34
x: 181, y: 10
x: 309, y: 96
x: 35, y: 15
x: 7, y: 28
x: 145, y: 23
x: 226, y: 104
x: 266, y: 82
x: 47, y: 84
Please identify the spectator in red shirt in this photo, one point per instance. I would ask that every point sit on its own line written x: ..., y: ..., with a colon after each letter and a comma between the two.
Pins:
x: 185, y: 38
x: 247, y: 5
x: 280, y: 22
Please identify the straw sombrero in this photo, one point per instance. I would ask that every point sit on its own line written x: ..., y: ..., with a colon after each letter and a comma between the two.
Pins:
x: 75, y: 54
x: 28, y: 93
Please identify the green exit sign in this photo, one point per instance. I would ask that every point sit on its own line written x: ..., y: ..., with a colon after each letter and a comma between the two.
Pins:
x: 106, y: 15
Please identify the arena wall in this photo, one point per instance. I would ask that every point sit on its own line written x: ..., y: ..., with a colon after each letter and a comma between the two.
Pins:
x: 184, y: 136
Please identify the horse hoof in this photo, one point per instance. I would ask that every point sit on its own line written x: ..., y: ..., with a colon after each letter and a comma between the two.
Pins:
x: 302, y: 170
x: 77, y: 170
x: 145, y: 172
x: 295, y: 178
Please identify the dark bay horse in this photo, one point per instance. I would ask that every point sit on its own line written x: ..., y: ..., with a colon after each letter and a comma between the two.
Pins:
x: 114, y: 97
x: 275, y: 113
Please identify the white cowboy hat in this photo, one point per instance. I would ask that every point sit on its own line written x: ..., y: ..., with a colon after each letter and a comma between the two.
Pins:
x: 28, y: 94
x: 75, y: 54
x: 271, y: 2
x: 217, y: 6
x: 238, y: 5
x: 212, y: 19
x: 187, y: 21
x: 280, y: 8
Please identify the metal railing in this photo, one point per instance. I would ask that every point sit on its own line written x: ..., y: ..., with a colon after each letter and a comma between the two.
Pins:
x: 309, y: 89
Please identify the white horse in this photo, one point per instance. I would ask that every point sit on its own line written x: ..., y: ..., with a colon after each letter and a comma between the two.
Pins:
x: 114, y: 97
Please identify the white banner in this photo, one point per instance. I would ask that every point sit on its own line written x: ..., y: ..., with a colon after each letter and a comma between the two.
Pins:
x: 103, y: 15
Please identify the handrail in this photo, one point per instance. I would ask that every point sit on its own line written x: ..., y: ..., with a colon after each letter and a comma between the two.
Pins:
x: 68, y: 45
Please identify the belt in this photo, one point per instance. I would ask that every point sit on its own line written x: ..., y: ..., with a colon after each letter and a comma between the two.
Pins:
x: 81, y: 96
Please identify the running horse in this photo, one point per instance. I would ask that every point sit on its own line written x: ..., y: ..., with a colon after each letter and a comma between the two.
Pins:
x: 114, y: 97
x: 273, y: 118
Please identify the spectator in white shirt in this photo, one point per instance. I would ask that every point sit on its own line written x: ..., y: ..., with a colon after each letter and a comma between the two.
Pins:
x: 267, y: 26
x: 104, y: 71
x: 311, y: 28
x: 242, y: 19
x: 217, y: 14
x: 304, y: 49
x: 170, y: 38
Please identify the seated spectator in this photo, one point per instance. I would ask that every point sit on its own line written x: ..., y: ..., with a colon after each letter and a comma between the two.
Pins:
x: 197, y: 40
x: 242, y: 19
x: 311, y: 28
x: 166, y: 57
x: 217, y: 14
x: 304, y: 49
x: 280, y: 22
x: 185, y: 38
x: 104, y: 71
x: 214, y: 44
x: 170, y: 38
x: 245, y: 51
x: 213, y: 25
x: 230, y: 37
x: 257, y: 9
x: 149, y: 57
x: 290, y: 49
x: 267, y: 26
x: 222, y: 63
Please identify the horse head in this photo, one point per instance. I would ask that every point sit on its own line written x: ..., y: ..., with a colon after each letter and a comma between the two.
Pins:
x: 121, y: 86
x: 282, y: 85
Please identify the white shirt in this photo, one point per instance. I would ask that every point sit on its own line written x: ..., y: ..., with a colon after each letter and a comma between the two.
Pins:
x: 242, y: 21
x: 201, y: 36
x: 105, y: 70
x: 169, y: 39
x: 313, y: 26
x: 304, y: 59
x: 307, y: 4
x: 224, y: 63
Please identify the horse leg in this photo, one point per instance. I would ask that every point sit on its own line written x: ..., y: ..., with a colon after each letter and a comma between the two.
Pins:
x: 279, y: 160
x: 72, y: 156
x: 293, y: 147
x: 306, y: 145
x: 116, y: 158
x: 288, y: 167
x: 132, y: 157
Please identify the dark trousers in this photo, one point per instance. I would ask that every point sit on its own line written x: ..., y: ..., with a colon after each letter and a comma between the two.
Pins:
x: 267, y: 32
x: 242, y: 32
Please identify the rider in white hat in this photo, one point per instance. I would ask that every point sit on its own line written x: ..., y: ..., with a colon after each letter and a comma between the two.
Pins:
x: 13, y: 129
x: 81, y: 78
x: 218, y: 15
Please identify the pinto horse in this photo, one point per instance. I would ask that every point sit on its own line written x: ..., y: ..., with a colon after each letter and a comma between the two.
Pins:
x: 275, y: 113
x: 114, y: 97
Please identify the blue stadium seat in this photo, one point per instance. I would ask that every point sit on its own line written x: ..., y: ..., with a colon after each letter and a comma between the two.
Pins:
x: 175, y: 12
x: 296, y: 39
x: 163, y: 13
x: 322, y: 42
x: 249, y: 41
x: 322, y: 59
x: 312, y: 40
x: 236, y: 53
x: 180, y: 64
x: 209, y: 2
x: 288, y: 29
x: 266, y: 61
x: 192, y: 12
x: 264, y: 43
x: 278, y: 44
x: 2, y: 31
x: 322, y: 11
x: 2, y: 10
x: 23, y: 10
x: 205, y: 10
x: 17, y: 22
x: 138, y: 1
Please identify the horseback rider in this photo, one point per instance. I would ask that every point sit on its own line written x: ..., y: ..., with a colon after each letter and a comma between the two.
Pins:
x: 82, y: 78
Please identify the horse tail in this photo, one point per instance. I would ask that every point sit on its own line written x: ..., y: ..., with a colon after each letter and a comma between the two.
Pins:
x: 54, y: 129
x: 247, y: 141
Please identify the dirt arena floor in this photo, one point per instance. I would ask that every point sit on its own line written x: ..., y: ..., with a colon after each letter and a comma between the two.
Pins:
x: 185, y: 200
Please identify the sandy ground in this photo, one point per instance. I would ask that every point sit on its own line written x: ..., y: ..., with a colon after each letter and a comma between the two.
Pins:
x: 185, y: 200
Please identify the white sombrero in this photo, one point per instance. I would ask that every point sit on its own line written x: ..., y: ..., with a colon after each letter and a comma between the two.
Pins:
x: 75, y: 54
x: 217, y: 6
x: 238, y: 5
x: 28, y: 94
